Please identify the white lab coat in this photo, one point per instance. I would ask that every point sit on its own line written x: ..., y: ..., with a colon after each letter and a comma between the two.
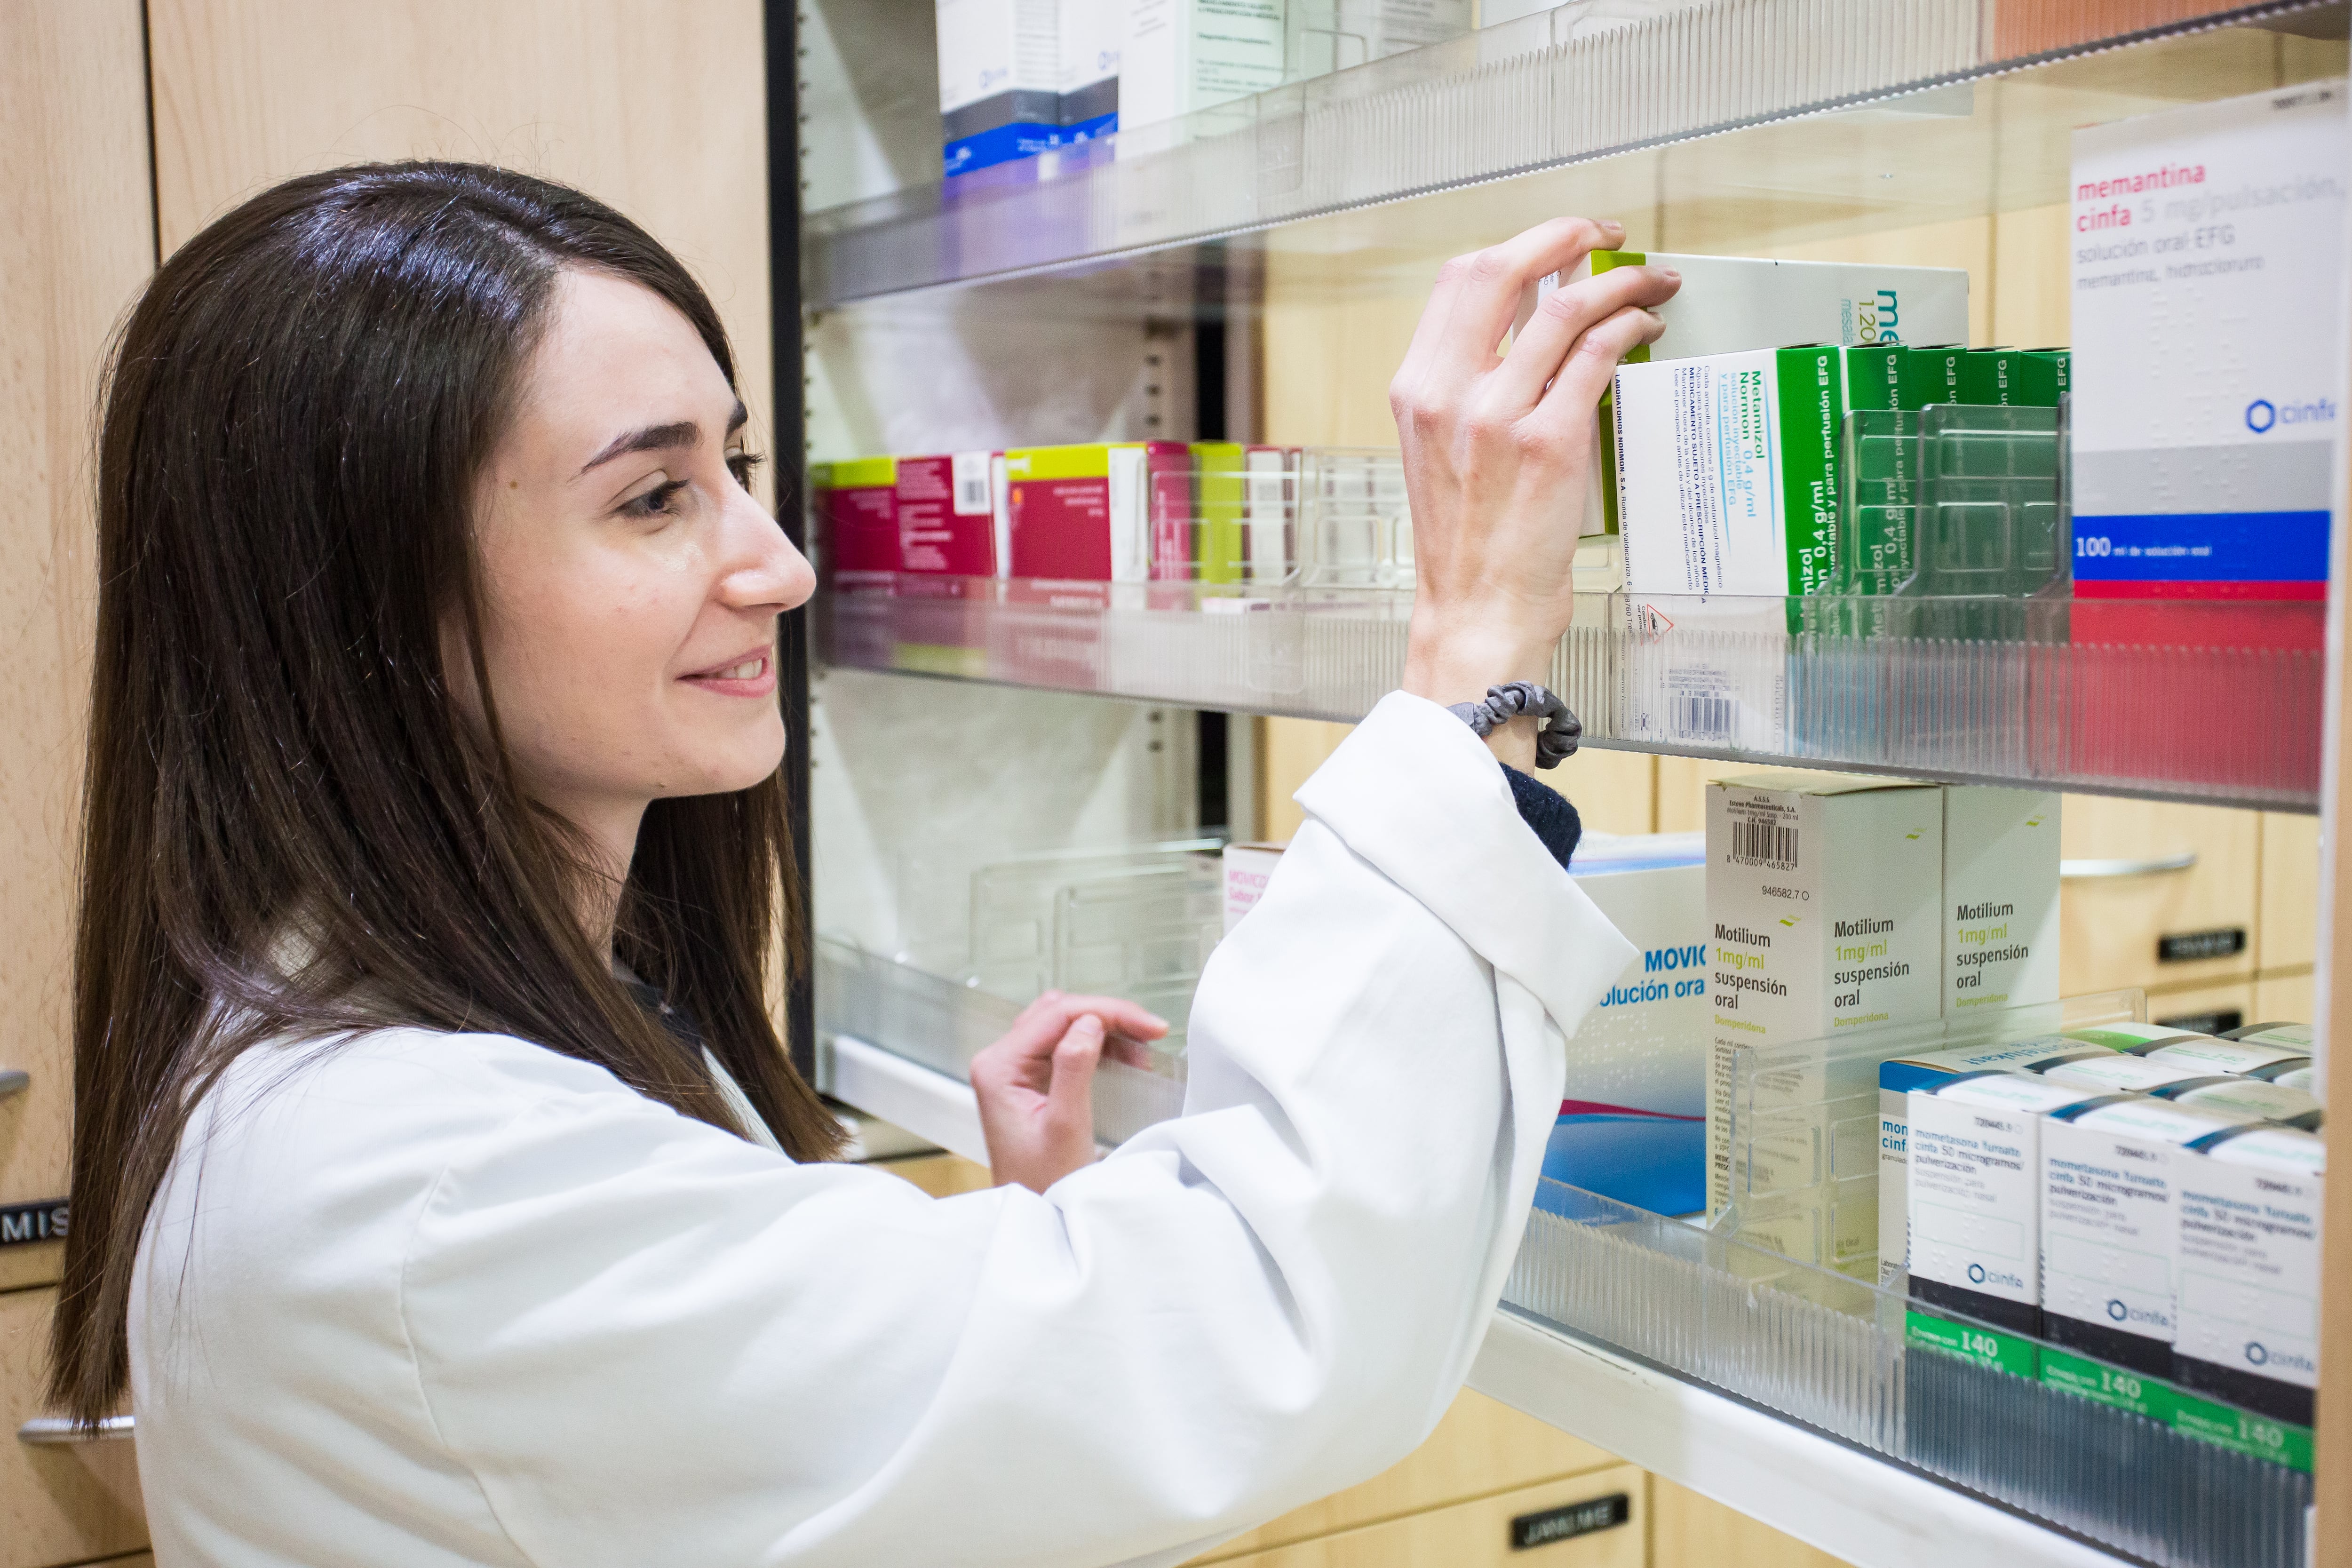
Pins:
x: 427, y: 1299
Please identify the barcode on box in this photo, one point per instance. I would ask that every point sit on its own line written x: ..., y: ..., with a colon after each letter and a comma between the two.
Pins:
x: 1763, y: 843
x: 971, y: 470
x: 1705, y: 716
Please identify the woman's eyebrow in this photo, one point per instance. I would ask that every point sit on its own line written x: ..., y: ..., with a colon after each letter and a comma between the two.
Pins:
x: 669, y: 437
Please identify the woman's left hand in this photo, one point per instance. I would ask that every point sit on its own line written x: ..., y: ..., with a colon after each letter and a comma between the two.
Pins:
x: 1034, y: 1109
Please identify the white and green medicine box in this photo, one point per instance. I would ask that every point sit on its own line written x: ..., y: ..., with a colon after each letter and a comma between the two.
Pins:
x: 1728, y: 472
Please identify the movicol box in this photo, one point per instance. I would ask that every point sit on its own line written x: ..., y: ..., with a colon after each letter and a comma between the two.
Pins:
x: 2001, y: 897
x: 1177, y: 57
x: 1632, y: 1123
x: 1897, y: 1076
x: 1000, y: 80
x: 2249, y: 1216
x: 2110, y: 1237
x: 1731, y: 304
x: 1248, y: 868
x: 1821, y: 891
x: 2214, y: 484
x: 1975, y: 1196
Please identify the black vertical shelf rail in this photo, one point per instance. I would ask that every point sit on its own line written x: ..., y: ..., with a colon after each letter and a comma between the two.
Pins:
x: 790, y: 439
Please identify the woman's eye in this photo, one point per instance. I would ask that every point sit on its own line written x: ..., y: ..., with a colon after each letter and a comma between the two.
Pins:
x: 743, y: 465
x: 654, y: 502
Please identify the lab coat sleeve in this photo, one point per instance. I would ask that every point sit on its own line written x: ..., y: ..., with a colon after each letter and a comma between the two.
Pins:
x: 650, y: 1341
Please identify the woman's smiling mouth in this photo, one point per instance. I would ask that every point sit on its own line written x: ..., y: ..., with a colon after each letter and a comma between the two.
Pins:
x: 752, y: 675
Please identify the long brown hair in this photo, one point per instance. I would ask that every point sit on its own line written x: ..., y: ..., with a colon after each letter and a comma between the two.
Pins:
x: 296, y: 413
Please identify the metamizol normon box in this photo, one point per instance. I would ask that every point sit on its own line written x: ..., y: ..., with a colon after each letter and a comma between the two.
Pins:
x: 2249, y: 1327
x: 2202, y: 442
x: 1821, y: 891
x: 1633, y: 1122
x: 2000, y: 899
x: 1897, y: 1076
x: 1975, y: 1196
x: 2110, y: 1241
x: 1728, y: 472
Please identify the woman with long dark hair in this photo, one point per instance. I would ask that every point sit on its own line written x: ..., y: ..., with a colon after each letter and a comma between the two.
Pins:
x: 442, y: 1191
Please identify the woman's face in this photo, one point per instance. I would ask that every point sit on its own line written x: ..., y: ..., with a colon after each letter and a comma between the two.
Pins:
x: 632, y: 581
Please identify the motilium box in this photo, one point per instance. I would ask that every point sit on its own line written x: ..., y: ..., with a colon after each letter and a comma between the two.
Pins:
x: 2110, y: 1238
x: 1177, y: 57
x: 2249, y: 1216
x: 1000, y: 80
x: 1632, y: 1123
x: 2211, y: 482
x: 1821, y: 891
x: 1975, y: 1196
x: 2000, y: 899
x: 1897, y: 1076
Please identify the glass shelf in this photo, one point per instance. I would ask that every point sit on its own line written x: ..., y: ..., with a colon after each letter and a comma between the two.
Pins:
x: 2213, y: 702
x: 1972, y: 98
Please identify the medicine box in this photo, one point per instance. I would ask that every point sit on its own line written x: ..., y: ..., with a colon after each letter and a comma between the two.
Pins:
x: 1728, y: 472
x: 1092, y: 31
x: 2252, y: 1096
x: 2001, y: 897
x: 1975, y: 1194
x: 2296, y: 1035
x: 946, y: 520
x: 2123, y: 1073
x: 858, y: 501
x: 1000, y: 80
x: 1085, y: 513
x: 1248, y: 868
x: 1822, y: 895
x: 2203, y: 449
x: 1897, y: 1076
x: 1178, y: 57
x: 2250, y: 1219
x: 1633, y: 1122
x: 2110, y: 1240
x: 2246, y: 1057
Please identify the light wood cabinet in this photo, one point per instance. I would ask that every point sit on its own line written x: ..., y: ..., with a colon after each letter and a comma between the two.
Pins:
x: 2288, y: 934
x: 2210, y: 1009
x: 941, y: 1176
x: 2290, y: 998
x: 68, y: 1503
x: 1687, y: 1530
x: 1473, y: 1535
x: 77, y: 244
x: 1481, y: 1447
x: 2112, y: 926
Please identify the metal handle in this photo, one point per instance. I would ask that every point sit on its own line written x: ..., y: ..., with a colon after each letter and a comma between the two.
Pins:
x: 14, y: 1080
x: 54, y: 1431
x: 2100, y: 870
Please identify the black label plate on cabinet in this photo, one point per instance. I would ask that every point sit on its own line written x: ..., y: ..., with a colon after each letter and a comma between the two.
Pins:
x: 2220, y: 1021
x: 1533, y: 1530
x: 2184, y: 947
x: 22, y: 1225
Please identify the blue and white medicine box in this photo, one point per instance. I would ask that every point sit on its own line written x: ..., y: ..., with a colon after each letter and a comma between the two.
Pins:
x: 1633, y: 1124
x: 1000, y: 80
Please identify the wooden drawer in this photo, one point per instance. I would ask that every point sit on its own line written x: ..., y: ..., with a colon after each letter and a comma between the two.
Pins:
x: 1479, y: 1533
x: 1481, y: 1446
x: 2289, y: 998
x: 1687, y: 1530
x: 2111, y: 925
x: 2288, y: 936
x: 64, y: 1504
x: 2212, y: 1009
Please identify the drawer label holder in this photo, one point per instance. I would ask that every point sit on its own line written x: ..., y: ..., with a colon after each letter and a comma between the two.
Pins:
x: 1530, y: 1530
x: 27, y: 1225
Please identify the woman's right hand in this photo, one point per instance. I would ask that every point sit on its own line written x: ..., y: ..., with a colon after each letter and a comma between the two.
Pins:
x: 1498, y: 454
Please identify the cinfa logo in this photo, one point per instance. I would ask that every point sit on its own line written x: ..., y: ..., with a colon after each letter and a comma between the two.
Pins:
x: 2263, y: 416
x: 2116, y: 1310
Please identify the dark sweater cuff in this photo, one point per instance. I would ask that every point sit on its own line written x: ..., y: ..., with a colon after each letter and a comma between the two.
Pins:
x: 1546, y: 813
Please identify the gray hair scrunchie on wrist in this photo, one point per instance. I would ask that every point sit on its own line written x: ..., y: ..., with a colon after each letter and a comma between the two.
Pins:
x: 1555, y: 742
